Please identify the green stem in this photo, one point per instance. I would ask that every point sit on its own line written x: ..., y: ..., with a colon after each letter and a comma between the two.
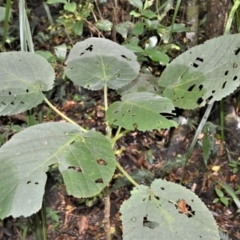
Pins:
x: 62, y: 115
x: 199, y: 130
x: 175, y: 15
x: 231, y: 16
x: 108, y: 128
x: 119, y: 135
x: 130, y: 179
x: 222, y: 119
x: 6, y: 19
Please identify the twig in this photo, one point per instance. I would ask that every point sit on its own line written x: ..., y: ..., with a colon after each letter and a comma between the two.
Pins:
x: 107, y: 225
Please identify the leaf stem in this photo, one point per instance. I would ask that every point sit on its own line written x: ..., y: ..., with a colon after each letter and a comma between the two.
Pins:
x: 61, y: 114
x: 130, y: 179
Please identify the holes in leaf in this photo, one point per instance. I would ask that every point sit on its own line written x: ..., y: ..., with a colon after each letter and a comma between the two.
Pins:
x: 224, y: 84
x: 235, y: 78
x: 22, y: 102
x: 184, y: 208
x: 81, y: 53
x: 158, y: 198
x: 36, y: 183
x: 27, y: 90
x: 134, y: 115
x: 128, y: 110
x: 90, y: 48
x: 191, y: 88
x: 12, y: 103
x: 149, y: 224
x: 209, y: 99
x: 115, y: 111
x: 3, y: 103
x: 99, y: 180
x: 72, y: 142
x: 129, y: 59
x: 76, y: 169
x: 226, y: 73
x: 213, y: 91
x: 197, y: 62
x: 237, y: 51
x: 101, y: 162
x: 199, y: 101
x: 199, y: 59
x: 235, y: 65
x: 9, y: 93
x: 162, y: 188
x: 200, y: 87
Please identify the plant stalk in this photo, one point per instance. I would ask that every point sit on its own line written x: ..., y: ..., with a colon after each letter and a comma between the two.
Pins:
x: 107, y: 204
x: 61, y: 114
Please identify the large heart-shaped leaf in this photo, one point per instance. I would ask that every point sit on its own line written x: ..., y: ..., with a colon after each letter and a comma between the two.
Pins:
x: 23, y: 77
x: 166, y: 211
x: 97, y: 62
x: 142, y: 83
x: 203, y: 74
x: 141, y: 110
x: 85, y: 159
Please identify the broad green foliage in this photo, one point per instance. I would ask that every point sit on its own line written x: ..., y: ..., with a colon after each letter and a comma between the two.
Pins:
x: 166, y: 211
x: 23, y: 77
x: 141, y: 110
x: 203, y: 74
x: 143, y: 83
x: 85, y: 159
x: 95, y: 62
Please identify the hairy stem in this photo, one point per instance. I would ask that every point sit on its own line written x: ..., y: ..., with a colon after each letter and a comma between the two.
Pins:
x: 107, y: 204
x: 62, y: 115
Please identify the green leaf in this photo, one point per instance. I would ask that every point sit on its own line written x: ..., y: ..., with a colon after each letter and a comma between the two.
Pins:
x: 137, y: 3
x: 85, y: 159
x: 124, y: 28
x: 203, y: 74
x: 231, y: 193
x: 78, y: 28
x: 219, y: 192
x: 104, y: 25
x: 224, y: 200
x: 133, y: 48
x: 96, y: 62
x: 207, y: 147
x: 157, y: 56
x: 56, y: 1
x: 158, y: 213
x: 135, y: 14
x: 138, y: 29
x: 148, y: 13
x: 143, y: 83
x: 24, y: 76
x: 140, y: 110
x: 71, y: 7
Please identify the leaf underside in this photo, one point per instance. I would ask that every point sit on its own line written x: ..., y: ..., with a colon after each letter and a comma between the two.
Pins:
x: 203, y: 74
x: 86, y: 161
x: 166, y: 211
x: 96, y: 62
x: 140, y: 110
x: 23, y: 77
